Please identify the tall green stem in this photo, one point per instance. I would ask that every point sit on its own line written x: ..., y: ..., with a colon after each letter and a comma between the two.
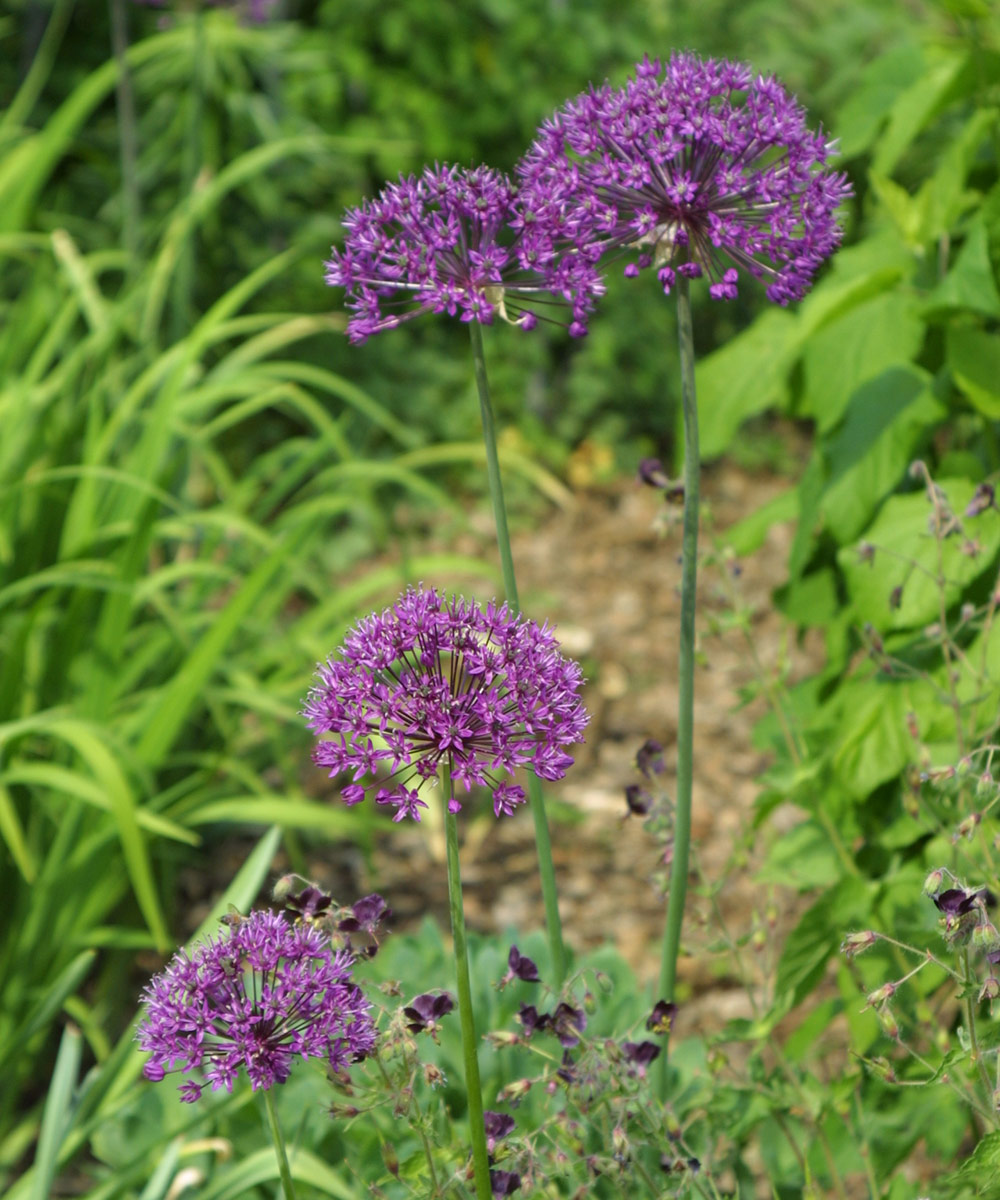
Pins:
x: 127, y: 136
x: 470, y: 1043
x: 685, y: 682
x: 284, y: 1170
x: 536, y: 801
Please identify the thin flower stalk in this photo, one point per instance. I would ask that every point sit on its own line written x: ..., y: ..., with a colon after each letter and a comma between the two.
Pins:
x: 536, y: 800
x: 466, y: 1015
x: 277, y: 1138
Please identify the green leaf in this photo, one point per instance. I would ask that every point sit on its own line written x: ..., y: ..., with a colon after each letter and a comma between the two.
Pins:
x: 973, y: 357
x: 261, y: 1167
x: 970, y: 284
x: 56, y: 1115
x: 745, y: 376
x: 906, y: 556
x: 65, y: 983
x: 816, y: 939
x: 802, y: 858
x: 883, y: 332
x: 886, y: 420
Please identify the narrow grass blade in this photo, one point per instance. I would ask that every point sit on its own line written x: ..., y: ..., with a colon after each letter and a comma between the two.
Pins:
x: 62, y: 986
x: 13, y: 834
x: 57, y: 1112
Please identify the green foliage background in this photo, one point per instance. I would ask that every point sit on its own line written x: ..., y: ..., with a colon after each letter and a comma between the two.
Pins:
x: 202, y: 484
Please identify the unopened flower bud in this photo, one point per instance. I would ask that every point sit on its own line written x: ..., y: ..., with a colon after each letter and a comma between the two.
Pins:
x: 985, y: 936
x: 932, y: 884
x: 967, y: 827
x: 881, y: 994
x: 882, y: 1068
x: 391, y: 1160
x: 758, y: 940
x: 858, y: 943
x: 963, y: 767
x: 985, y: 785
x: 967, y: 612
x: 619, y: 1141
x: 990, y: 989
x: 514, y: 1092
x: 888, y: 1022
x: 896, y: 597
x: 912, y: 728
x: 866, y: 552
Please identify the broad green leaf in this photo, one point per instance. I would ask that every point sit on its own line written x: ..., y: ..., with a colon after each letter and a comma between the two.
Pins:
x: 802, y: 858
x: 914, y: 108
x: 261, y: 1167
x: 886, y: 421
x: 744, y: 377
x: 907, y: 557
x: 970, y: 283
x: 974, y: 360
x: 816, y: 939
x: 884, y: 332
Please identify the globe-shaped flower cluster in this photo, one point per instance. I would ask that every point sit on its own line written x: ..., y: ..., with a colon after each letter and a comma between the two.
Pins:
x: 432, y: 683
x: 701, y: 168
x: 456, y: 241
x: 263, y: 992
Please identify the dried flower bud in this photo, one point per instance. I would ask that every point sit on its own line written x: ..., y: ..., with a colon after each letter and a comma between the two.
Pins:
x: 434, y: 1076
x: 967, y: 827
x: 982, y: 499
x: 391, y: 1160
x: 896, y: 597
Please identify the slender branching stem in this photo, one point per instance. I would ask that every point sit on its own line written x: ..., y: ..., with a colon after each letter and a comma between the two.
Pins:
x: 284, y: 1169
x: 536, y: 800
x: 470, y: 1043
x: 685, y: 683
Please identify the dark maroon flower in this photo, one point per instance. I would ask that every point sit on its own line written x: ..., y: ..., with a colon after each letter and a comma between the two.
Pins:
x: 956, y: 902
x: 497, y: 1127
x: 568, y: 1023
x: 652, y: 474
x: 532, y: 1019
x: 702, y: 168
x: 661, y: 1019
x: 649, y: 758
x: 641, y: 1053
x: 368, y: 914
x: 521, y: 967
x: 426, y: 1010
x: 639, y: 801
x: 504, y: 1183
x: 310, y: 902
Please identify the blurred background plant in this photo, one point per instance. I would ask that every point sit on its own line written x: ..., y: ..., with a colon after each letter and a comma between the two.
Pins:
x: 201, y: 484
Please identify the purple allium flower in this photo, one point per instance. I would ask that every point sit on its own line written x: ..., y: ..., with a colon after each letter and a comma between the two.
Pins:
x: 261, y: 993
x: 426, y: 1011
x: 433, y: 682
x: 459, y: 242
x: 701, y: 169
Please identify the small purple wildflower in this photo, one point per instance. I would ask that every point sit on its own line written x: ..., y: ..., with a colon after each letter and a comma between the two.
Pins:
x: 425, y: 1011
x: 639, y: 801
x: 310, y: 902
x: 641, y: 1054
x: 504, y: 1183
x: 519, y: 966
x: 433, y: 682
x: 459, y: 242
x: 706, y: 169
x: 261, y: 993
x: 497, y: 1126
x: 661, y: 1019
x: 956, y: 902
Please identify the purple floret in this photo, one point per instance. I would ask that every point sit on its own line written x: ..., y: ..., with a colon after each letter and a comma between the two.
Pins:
x: 460, y: 242
x: 433, y: 683
x: 257, y: 996
x: 701, y: 168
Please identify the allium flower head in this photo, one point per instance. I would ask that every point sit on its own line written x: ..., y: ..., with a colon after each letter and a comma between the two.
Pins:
x: 702, y: 168
x: 261, y: 993
x: 431, y: 682
x: 459, y: 242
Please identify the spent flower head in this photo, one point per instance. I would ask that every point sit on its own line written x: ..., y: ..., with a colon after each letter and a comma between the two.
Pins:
x: 432, y: 683
x: 261, y: 993
x: 459, y: 242
x: 700, y: 168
